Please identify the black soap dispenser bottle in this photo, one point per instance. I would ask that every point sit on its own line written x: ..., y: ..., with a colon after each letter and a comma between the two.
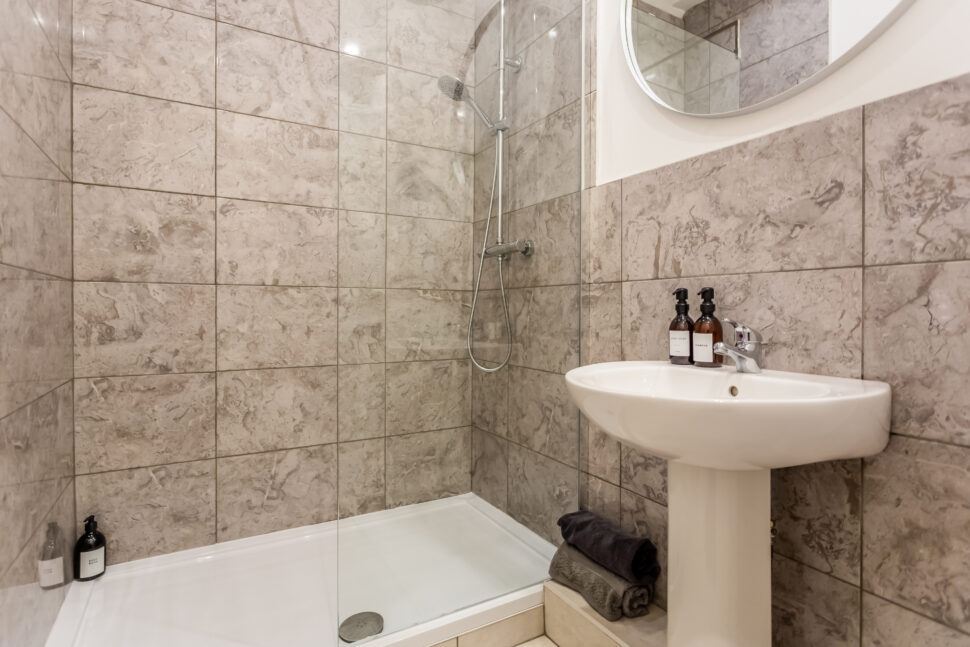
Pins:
x: 707, y: 332
x: 89, y: 552
x: 681, y: 332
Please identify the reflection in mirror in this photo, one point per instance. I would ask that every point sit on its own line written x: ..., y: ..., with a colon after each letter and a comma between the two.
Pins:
x: 714, y: 57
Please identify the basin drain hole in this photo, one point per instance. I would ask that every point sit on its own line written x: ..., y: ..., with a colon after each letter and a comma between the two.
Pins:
x: 360, y: 626
x: 733, y: 391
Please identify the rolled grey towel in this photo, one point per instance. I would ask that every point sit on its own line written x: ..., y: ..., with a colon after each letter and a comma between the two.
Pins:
x: 612, y: 596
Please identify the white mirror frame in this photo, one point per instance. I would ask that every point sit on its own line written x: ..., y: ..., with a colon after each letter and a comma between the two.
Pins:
x: 626, y: 29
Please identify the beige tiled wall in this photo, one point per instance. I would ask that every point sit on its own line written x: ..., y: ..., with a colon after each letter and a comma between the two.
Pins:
x: 845, y: 242
x: 273, y: 220
x: 525, y: 443
x: 36, y: 439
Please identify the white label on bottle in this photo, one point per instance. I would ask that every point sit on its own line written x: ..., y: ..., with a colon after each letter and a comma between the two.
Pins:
x: 50, y: 572
x: 703, y: 347
x: 680, y: 343
x: 92, y: 563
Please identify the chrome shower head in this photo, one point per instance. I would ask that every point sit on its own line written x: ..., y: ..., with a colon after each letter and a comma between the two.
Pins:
x: 455, y: 89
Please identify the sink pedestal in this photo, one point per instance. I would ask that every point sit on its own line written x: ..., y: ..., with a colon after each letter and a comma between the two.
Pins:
x: 718, y: 557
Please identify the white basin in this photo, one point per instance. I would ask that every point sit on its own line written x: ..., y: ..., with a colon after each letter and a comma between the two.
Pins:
x: 722, y: 419
x: 723, y: 432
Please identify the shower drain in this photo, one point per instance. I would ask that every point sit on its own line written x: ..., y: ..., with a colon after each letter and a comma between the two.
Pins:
x: 360, y: 626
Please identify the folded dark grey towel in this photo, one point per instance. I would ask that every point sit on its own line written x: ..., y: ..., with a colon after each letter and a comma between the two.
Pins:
x: 611, y: 595
x: 632, y: 558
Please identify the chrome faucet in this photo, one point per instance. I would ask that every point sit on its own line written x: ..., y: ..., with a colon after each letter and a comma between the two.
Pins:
x: 744, y: 346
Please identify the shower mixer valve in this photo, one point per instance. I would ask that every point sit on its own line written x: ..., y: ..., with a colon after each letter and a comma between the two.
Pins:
x: 501, y: 250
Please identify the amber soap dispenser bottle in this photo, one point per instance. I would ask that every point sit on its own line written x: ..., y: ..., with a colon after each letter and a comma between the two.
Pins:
x: 707, y: 332
x: 681, y: 331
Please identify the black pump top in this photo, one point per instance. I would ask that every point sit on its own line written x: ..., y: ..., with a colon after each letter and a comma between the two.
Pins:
x: 90, y: 525
x: 707, y: 305
x: 682, y: 306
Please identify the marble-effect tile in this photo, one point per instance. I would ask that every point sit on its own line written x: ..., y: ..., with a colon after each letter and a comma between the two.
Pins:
x: 916, y: 338
x: 917, y: 186
x: 915, y: 544
x: 426, y: 324
x: 132, y: 235
x: 361, y: 471
x: 143, y: 328
x: 145, y: 49
x: 152, y: 510
x: 809, y: 608
x: 540, y: 491
x: 274, y: 409
x: 314, y: 23
x: 275, y: 244
x: 360, y: 401
x: 260, y: 493
x: 126, y: 422
x: 266, y: 327
x: 788, y: 201
x: 268, y: 76
x: 428, y: 466
x: 304, y: 159
x: 132, y: 141
x: 423, y: 396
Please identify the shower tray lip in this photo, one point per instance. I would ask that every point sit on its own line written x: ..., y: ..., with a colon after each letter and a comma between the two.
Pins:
x: 71, y: 618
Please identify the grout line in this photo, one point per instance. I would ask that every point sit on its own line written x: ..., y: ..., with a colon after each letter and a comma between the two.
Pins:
x: 302, y: 124
x: 41, y: 276
x: 66, y: 177
x: 862, y: 374
x: 215, y: 273
x: 387, y: 124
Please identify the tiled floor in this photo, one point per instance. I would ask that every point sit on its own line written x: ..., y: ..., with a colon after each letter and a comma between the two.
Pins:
x: 541, y: 641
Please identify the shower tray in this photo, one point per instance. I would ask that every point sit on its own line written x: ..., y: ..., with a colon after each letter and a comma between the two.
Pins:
x: 432, y: 570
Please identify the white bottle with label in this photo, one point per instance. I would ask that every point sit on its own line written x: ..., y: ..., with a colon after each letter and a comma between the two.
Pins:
x: 50, y: 566
x: 90, y: 552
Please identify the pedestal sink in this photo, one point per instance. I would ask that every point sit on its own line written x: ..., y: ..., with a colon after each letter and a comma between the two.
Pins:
x: 723, y: 432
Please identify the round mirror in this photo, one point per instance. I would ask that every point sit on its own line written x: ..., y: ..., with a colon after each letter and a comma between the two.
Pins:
x: 715, y: 58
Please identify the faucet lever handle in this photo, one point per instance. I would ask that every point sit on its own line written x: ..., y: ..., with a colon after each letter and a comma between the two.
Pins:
x: 743, y: 334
